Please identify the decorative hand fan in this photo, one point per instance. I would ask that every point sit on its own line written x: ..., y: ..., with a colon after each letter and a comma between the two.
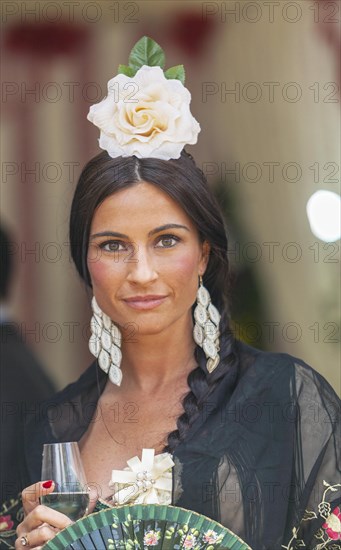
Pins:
x: 142, y: 526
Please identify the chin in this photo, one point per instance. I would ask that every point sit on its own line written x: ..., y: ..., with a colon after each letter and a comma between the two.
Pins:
x: 152, y: 323
x: 147, y: 325
x: 149, y: 329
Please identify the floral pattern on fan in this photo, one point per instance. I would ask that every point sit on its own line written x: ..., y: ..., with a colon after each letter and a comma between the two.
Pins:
x: 151, y: 537
x: 179, y: 536
x: 143, y: 526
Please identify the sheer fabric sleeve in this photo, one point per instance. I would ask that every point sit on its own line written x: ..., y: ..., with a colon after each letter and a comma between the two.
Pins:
x: 265, y: 460
x: 314, y: 522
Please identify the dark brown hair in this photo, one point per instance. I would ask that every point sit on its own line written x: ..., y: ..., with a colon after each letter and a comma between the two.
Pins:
x: 184, y: 182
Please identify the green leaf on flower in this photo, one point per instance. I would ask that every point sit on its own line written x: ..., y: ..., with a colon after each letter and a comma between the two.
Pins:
x: 177, y: 73
x: 146, y: 52
x: 128, y: 71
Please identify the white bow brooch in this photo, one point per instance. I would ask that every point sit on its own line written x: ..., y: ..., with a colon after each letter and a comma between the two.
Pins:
x: 146, y: 481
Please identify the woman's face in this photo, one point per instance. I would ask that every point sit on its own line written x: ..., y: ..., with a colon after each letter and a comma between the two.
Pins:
x: 144, y: 259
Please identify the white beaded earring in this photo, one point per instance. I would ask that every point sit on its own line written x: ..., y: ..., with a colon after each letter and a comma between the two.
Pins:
x: 206, y: 329
x: 105, y: 343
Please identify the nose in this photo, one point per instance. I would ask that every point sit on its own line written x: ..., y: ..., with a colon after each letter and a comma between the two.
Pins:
x: 141, y: 269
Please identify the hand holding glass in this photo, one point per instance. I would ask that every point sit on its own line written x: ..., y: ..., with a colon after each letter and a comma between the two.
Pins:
x: 62, y: 463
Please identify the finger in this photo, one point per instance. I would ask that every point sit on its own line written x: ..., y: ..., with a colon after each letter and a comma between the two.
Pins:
x: 18, y: 545
x: 43, y: 514
x: 24, y: 542
x: 38, y: 537
x: 30, y: 496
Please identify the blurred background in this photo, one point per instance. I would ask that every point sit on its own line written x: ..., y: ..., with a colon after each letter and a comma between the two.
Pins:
x: 265, y: 80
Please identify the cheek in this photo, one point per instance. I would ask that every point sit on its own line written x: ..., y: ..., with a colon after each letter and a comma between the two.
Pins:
x: 186, y: 280
x: 186, y: 266
x: 101, y: 272
x: 186, y: 272
x: 98, y: 273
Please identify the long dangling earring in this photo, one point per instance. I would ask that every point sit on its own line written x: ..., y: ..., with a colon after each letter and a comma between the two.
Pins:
x: 105, y: 343
x: 206, y: 329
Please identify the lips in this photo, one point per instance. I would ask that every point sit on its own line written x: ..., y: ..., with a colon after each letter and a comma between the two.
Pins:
x: 145, y: 302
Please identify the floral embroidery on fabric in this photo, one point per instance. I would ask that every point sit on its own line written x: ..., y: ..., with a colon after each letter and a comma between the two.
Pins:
x: 11, y: 513
x: 330, y: 530
x: 332, y: 525
x: 6, y: 523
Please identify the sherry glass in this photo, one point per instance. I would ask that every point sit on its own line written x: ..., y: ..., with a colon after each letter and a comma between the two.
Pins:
x: 62, y: 463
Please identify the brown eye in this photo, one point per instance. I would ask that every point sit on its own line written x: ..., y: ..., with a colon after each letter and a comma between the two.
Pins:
x: 112, y: 246
x: 168, y: 241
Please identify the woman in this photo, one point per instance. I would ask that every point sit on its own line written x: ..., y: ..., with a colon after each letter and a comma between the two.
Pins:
x: 251, y: 436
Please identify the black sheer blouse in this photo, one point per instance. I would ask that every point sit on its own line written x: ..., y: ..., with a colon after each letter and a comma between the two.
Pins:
x: 262, y: 458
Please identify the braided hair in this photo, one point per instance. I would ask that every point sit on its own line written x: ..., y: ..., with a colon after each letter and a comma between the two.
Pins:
x: 184, y: 182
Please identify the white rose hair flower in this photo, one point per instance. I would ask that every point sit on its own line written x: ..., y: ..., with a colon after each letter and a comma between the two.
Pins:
x: 147, y: 111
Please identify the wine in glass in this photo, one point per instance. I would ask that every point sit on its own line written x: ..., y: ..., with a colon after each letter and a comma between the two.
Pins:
x: 62, y: 463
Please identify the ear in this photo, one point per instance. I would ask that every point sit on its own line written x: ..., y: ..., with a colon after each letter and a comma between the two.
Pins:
x: 205, y: 256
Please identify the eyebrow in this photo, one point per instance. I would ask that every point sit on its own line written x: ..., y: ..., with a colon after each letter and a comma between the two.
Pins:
x: 152, y: 232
